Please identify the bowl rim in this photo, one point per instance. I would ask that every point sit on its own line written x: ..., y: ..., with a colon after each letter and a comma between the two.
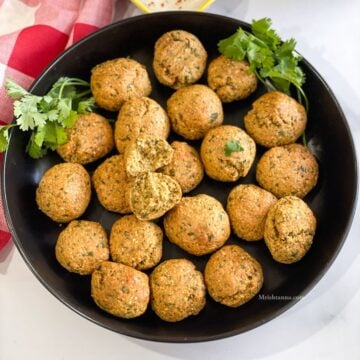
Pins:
x: 173, y: 339
x: 140, y: 4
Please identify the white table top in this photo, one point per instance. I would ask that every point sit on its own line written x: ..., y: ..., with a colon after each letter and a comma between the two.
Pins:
x: 323, y: 325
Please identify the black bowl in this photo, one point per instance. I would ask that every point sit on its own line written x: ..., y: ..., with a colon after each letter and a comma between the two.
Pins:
x: 332, y: 200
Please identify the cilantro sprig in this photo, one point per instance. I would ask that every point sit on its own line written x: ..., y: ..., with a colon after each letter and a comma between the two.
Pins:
x: 48, y: 116
x: 275, y: 62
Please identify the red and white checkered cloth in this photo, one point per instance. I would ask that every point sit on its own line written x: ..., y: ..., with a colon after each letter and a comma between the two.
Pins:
x: 33, y: 33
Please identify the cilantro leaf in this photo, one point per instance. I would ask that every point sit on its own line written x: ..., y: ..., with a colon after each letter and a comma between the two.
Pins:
x: 259, y: 57
x: 85, y: 106
x: 34, y: 150
x: 232, y: 146
x: 262, y: 30
x: 61, y: 136
x: 27, y: 113
x: 235, y: 47
x: 4, y: 136
x: 14, y: 90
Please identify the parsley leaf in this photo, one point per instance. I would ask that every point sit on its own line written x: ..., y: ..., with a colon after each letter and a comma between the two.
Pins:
x: 262, y: 30
x: 4, y: 136
x: 235, y: 46
x: 85, y: 106
x: 275, y: 62
x: 14, y: 90
x: 232, y: 146
x: 47, y: 116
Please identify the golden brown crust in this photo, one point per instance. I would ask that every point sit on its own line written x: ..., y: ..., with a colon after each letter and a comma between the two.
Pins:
x: 247, y: 206
x: 194, y: 110
x: 89, y: 139
x: 275, y: 119
x: 177, y: 290
x: 82, y: 246
x: 151, y: 195
x: 147, y: 153
x: 233, y: 276
x: 289, y: 229
x: 179, y: 59
x: 185, y: 167
x: 139, y: 117
x: 120, y: 290
x: 110, y: 181
x: 136, y: 243
x: 64, y: 192
x: 115, y: 81
x: 231, y: 79
x: 288, y: 170
x: 198, y: 224
x: 219, y: 161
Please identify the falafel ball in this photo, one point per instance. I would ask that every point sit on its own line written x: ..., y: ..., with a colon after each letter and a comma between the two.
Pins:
x: 177, y: 290
x: 136, y: 243
x: 110, y: 181
x: 231, y: 79
x: 289, y: 229
x: 247, y: 206
x: 147, y: 153
x: 227, y: 153
x: 198, y: 224
x: 185, y: 167
x: 288, y: 170
x: 233, y: 276
x: 115, y: 81
x: 64, y: 192
x: 82, y: 246
x: 138, y: 117
x: 179, y: 59
x: 89, y: 139
x: 151, y: 195
x: 275, y: 119
x: 194, y: 110
x: 120, y: 290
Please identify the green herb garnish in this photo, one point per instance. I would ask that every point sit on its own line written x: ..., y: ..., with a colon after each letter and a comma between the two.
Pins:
x: 232, y: 146
x: 275, y: 62
x: 47, y: 116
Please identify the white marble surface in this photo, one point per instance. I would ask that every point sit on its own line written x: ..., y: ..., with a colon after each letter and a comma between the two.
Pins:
x: 323, y: 325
